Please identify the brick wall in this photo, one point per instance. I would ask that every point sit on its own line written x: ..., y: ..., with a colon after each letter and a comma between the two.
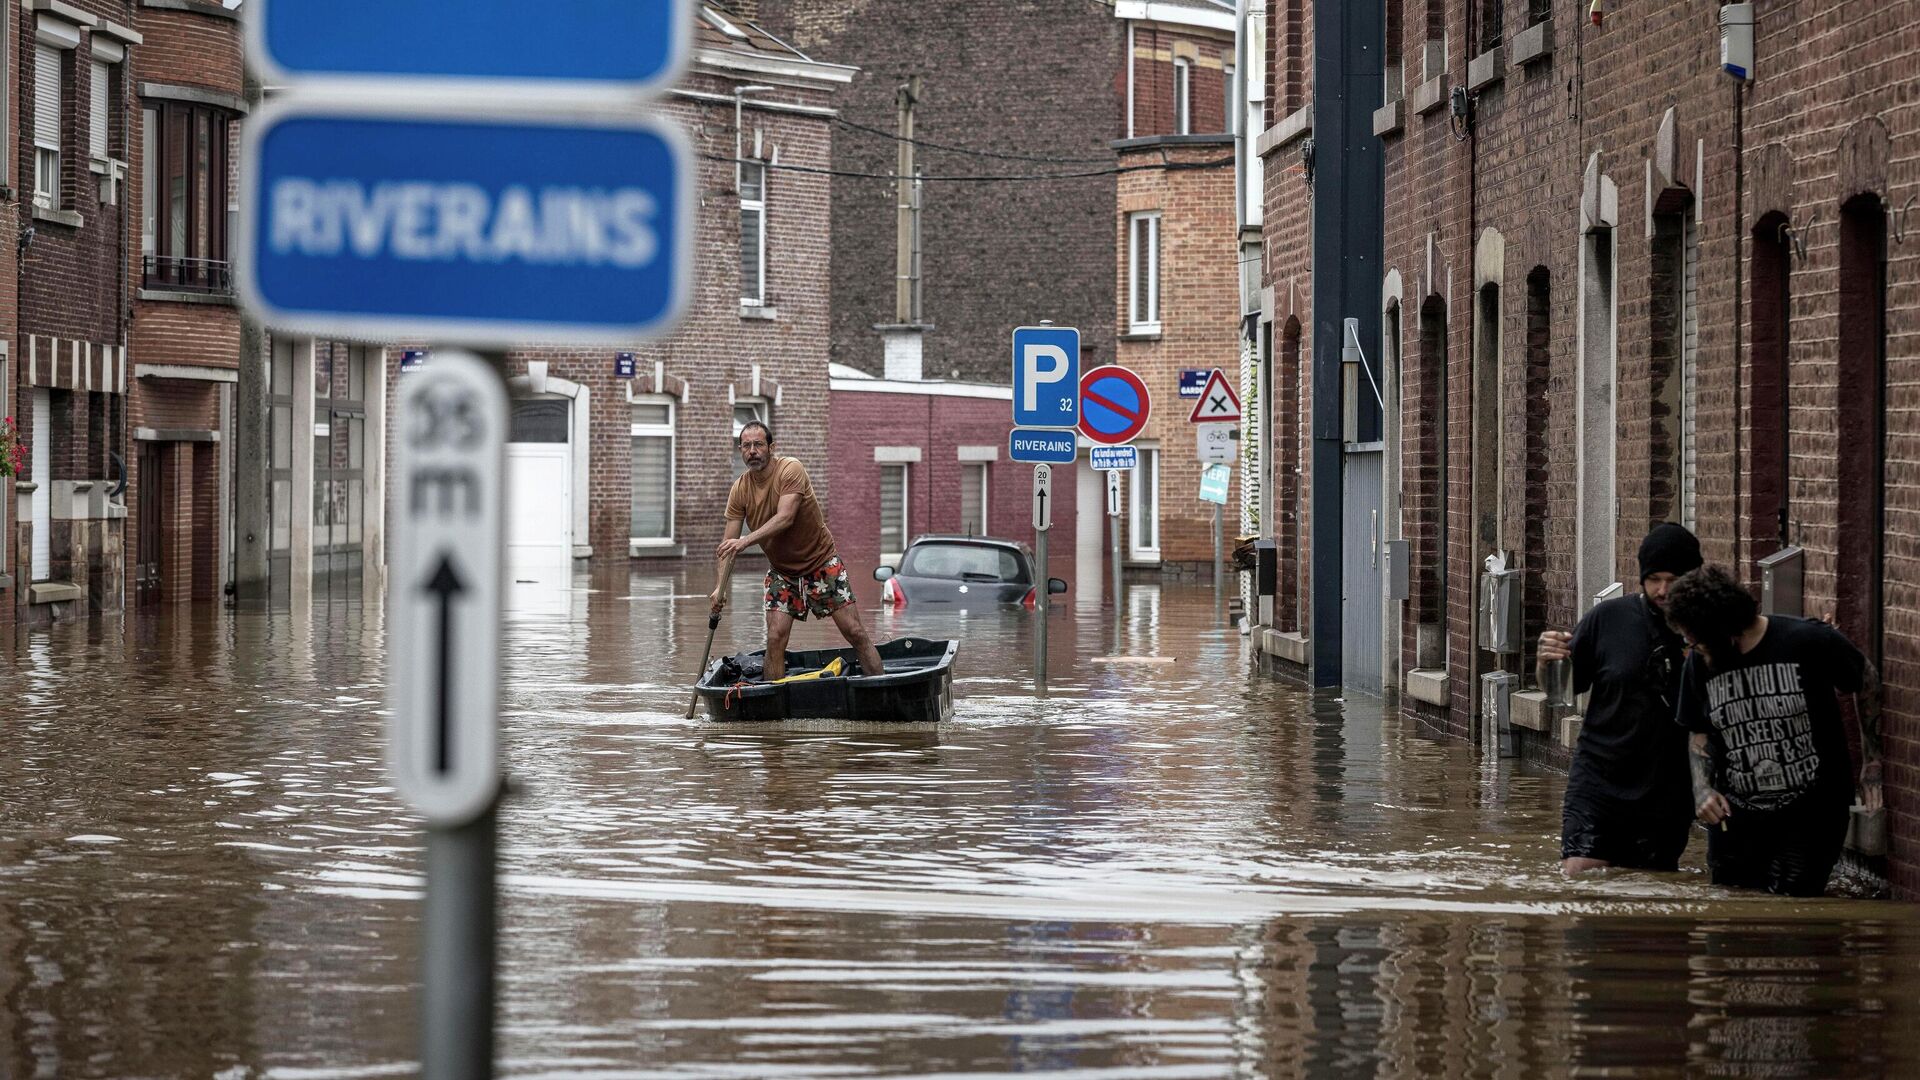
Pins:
x: 1826, y: 120
x: 1022, y: 79
x: 1287, y: 270
x: 69, y: 282
x: 197, y: 50
x: 1199, y: 309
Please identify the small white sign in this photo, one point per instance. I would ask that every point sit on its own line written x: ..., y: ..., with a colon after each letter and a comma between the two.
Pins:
x: 444, y: 588
x: 1113, y: 494
x: 1104, y: 458
x: 1217, y: 443
x: 1042, y: 498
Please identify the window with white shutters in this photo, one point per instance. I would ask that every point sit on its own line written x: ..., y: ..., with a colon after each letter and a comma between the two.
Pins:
x: 973, y: 498
x: 1143, y: 273
x: 893, y: 513
x: 1182, y: 97
x: 1143, y: 521
x: 652, y: 433
x: 47, y: 110
x: 753, y: 232
x: 98, y: 115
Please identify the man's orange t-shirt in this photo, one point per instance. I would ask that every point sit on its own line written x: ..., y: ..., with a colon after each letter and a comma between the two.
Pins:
x: 800, y: 548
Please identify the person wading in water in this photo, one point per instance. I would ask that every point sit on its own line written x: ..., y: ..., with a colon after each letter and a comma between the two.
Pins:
x: 1628, y: 800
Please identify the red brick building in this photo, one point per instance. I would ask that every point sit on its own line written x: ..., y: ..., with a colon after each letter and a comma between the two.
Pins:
x: 185, y: 339
x: 1175, y: 243
x: 1622, y: 286
x: 912, y: 457
x: 70, y: 108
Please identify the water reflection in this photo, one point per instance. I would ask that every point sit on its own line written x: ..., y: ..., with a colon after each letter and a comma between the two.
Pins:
x: 1166, y: 870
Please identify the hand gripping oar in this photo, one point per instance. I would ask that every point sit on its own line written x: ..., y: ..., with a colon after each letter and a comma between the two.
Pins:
x: 713, y: 624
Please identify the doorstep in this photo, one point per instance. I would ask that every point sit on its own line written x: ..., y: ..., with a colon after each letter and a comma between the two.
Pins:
x: 54, y: 592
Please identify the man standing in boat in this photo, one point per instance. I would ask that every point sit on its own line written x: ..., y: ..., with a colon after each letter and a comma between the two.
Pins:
x: 773, y: 503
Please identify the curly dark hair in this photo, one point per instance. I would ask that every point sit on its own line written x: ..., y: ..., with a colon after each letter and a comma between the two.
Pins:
x: 1713, y: 609
x: 749, y: 426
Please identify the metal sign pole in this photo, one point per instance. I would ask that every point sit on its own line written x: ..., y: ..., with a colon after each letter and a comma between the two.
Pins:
x: 444, y: 593
x: 1219, y: 568
x: 1113, y: 538
x: 1042, y: 524
x: 456, y: 1000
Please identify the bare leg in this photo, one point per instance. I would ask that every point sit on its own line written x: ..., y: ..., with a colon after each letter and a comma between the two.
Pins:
x: 855, y: 631
x: 1576, y: 866
x: 779, y: 627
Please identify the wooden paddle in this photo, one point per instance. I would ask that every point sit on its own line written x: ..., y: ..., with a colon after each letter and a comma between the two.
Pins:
x: 713, y: 624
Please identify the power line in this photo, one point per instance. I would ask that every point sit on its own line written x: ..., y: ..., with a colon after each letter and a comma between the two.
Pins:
x: 884, y: 134
x: 1170, y: 166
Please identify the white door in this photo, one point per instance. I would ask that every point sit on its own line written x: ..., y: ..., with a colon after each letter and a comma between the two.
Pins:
x: 41, y: 504
x: 539, y: 517
x: 1090, y: 535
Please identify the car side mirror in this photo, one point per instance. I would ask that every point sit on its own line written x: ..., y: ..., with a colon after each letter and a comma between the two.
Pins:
x: 1055, y: 586
x: 882, y: 573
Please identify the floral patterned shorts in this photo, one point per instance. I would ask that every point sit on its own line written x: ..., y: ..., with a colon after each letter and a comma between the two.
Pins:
x: 820, y: 593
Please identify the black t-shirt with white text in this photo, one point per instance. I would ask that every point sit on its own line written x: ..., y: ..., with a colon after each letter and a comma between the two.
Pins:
x: 1627, y: 660
x: 1772, y: 716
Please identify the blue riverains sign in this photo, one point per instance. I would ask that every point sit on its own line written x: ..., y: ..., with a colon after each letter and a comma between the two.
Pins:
x: 1039, y: 445
x: 449, y: 227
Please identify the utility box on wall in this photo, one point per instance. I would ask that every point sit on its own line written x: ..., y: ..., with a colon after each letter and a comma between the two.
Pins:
x: 1496, y: 713
x: 1500, y: 625
x: 1782, y: 582
x: 1399, y: 573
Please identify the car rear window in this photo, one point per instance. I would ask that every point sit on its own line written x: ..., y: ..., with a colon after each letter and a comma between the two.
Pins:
x: 978, y: 562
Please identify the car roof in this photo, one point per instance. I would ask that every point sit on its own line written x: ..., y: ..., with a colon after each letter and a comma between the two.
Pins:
x: 940, y: 538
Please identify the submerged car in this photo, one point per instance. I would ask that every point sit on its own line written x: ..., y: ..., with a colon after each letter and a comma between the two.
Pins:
x: 966, y: 571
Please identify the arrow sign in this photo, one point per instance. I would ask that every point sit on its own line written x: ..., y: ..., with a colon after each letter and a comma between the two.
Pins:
x: 443, y: 689
x: 445, y: 583
x: 1042, y: 497
x: 1218, y: 403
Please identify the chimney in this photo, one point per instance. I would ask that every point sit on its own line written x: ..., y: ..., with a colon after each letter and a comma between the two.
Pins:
x: 900, y: 345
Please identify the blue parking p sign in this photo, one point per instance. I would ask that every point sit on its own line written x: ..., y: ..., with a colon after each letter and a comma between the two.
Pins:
x: 1046, y: 377
x: 460, y: 228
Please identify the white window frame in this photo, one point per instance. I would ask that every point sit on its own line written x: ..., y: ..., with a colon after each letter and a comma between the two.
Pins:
x: 1182, y: 96
x: 756, y: 296
x: 892, y: 558
x: 762, y: 411
x: 986, y: 480
x: 1137, y: 552
x: 638, y: 545
x: 149, y: 178
x: 1689, y: 420
x: 48, y: 159
x: 1143, y: 319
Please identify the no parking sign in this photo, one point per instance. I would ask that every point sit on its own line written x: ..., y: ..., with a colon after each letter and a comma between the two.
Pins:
x: 1114, y: 405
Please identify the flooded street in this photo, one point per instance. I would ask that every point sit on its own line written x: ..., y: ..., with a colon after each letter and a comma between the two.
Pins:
x: 1161, y: 870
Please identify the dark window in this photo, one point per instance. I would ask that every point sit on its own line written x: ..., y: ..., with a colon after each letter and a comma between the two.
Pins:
x: 1492, y: 19
x: 1770, y: 307
x: 540, y: 420
x: 187, y: 171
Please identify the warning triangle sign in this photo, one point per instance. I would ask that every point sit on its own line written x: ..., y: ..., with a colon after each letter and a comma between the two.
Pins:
x: 1218, y: 403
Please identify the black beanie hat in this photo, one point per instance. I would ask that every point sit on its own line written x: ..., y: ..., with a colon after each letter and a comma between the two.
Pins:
x: 1669, y: 548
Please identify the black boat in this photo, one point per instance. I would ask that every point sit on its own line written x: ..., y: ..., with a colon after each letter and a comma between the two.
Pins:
x: 917, y: 686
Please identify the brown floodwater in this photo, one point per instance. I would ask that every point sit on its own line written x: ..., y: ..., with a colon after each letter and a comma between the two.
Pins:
x: 1158, y: 871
